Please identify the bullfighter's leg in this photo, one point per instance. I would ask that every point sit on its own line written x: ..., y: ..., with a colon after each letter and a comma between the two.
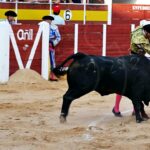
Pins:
x: 69, y: 96
x: 116, y: 110
x: 143, y: 113
x: 137, y: 108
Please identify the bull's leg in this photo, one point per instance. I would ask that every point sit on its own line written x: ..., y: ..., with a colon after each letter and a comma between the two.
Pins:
x: 137, y: 108
x: 65, y: 107
x: 69, y: 96
x: 143, y: 113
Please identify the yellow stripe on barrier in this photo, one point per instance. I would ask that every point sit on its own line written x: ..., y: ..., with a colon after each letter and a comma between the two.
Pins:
x: 2, y: 12
x: 29, y: 14
x: 77, y: 15
x: 96, y: 15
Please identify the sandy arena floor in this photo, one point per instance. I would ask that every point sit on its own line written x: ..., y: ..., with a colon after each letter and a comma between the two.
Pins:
x: 29, y: 119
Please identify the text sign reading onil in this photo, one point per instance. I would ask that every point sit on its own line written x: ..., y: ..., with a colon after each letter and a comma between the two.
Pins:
x: 67, y: 15
x: 25, y: 34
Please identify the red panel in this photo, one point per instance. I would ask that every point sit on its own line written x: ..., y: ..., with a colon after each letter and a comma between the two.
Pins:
x: 36, y: 63
x: 90, y: 28
x: 65, y: 30
x: 13, y: 65
x: 25, y: 36
x: 66, y: 45
x: 118, y: 39
x: 90, y: 39
x: 147, y: 15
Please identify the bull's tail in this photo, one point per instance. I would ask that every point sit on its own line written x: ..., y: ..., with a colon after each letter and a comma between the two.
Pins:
x: 59, y: 70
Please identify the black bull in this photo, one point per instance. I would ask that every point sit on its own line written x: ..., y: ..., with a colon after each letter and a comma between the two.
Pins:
x: 125, y: 75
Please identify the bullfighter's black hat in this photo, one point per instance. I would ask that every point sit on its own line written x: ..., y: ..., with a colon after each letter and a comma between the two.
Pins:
x: 10, y: 13
x: 147, y: 28
x: 48, y: 18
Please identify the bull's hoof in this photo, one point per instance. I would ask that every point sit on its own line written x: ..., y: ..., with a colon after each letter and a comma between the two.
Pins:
x: 62, y: 119
x: 139, y: 120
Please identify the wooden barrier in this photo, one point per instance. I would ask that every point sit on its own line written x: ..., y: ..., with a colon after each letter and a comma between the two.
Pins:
x: 25, y: 37
x: 90, y: 41
x: 24, y: 46
x: 90, y: 36
x: 118, y: 39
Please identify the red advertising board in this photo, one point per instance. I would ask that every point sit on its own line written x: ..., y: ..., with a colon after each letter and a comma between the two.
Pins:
x: 25, y: 37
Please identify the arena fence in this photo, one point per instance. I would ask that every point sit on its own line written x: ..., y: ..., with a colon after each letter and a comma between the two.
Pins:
x: 92, y: 38
x: 26, y: 46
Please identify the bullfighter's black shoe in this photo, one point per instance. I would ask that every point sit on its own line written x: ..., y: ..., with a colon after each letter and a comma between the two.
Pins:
x: 117, y: 114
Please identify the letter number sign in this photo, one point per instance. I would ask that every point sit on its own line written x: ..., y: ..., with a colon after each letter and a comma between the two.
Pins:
x: 67, y: 15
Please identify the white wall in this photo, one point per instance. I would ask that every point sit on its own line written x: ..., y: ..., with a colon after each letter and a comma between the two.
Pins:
x: 4, y: 52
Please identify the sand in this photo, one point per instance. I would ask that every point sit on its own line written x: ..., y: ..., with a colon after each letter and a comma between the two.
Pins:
x: 29, y: 118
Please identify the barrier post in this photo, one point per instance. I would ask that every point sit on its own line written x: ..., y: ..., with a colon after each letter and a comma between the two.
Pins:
x: 45, y: 50
x: 75, y: 38
x: 16, y: 10
x: 4, y: 52
x: 50, y: 6
x: 109, y: 11
x: 84, y: 14
x: 104, y: 40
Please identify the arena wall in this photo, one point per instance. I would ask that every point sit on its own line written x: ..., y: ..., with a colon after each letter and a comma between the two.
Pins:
x: 90, y: 35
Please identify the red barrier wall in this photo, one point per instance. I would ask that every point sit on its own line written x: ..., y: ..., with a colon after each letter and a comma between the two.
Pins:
x: 66, y: 46
x: 118, y: 39
x: 24, y: 47
x: 90, y: 41
x: 90, y: 36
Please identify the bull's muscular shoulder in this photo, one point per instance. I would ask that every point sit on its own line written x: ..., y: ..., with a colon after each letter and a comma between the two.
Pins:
x: 131, y: 67
x: 134, y: 60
